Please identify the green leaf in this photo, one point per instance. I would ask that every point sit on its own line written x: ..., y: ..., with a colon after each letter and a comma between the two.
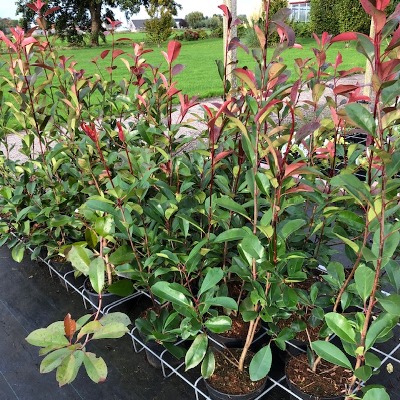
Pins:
x: 226, y: 302
x: 113, y: 330
x: 104, y: 226
x: 364, y: 278
x: 231, y: 205
x: 231, y: 235
x: 44, y: 337
x: 18, y: 251
x: 291, y: 226
x: 218, y: 324
x: 97, y: 274
x: 208, y: 364
x: 196, y: 351
x: 53, y: 360
x: 331, y: 353
x: 376, y: 394
x: 341, y: 327
x: 363, y: 373
x: 79, y: 258
x: 90, y: 327
x: 372, y: 360
x: 122, y: 255
x: 357, y: 189
x: 164, y: 291
x: 391, y: 304
x: 362, y: 117
x: 260, y: 364
x: 251, y: 247
x: 213, y: 276
x: 66, y: 370
x: 95, y: 367
x: 113, y: 317
x: 379, y: 328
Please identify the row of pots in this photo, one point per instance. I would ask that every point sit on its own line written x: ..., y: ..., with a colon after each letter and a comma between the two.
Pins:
x: 159, y: 357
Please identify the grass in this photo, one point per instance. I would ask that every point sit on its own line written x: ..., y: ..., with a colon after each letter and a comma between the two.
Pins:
x: 200, y: 76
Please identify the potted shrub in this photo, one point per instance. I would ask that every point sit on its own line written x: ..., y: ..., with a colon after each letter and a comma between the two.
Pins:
x: 370, y: 245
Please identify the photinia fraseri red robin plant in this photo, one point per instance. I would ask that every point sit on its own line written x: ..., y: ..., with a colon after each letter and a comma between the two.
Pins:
x: 371, y: 232
x: 64, y: 345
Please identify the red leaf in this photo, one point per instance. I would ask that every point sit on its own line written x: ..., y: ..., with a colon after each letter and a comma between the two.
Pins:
x: 69, y: 326
x: 174, y: 47
x: 51, y: 10
x: 351, y: 71
x: 342, y: 89
x: 261, y: 36
x: 177, y: 68
x: 227, y: 13
x: 222, y: 155
x: 32, y: 7
x: 235, y: 43
x: 116, y: 53
x: 378, y: 15
x: 339, y: 60
x: 345, y: 37
x: 104, y: 53
x: 382, y: 4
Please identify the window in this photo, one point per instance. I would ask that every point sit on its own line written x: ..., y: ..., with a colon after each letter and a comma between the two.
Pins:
x: 300, y: 12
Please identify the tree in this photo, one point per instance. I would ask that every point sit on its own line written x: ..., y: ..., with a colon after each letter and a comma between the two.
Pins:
x: 72, y: 12
x: 159, y: 26
x: 322, y: 17
x: 194, y: 19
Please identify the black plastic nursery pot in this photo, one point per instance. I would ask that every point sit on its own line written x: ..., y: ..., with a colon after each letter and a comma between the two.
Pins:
x: 157, y: 354
x: 106, y: 298
x: 304, y: 396
x: 227, y: 382
x: 217, y: 395
x: 67, y: 272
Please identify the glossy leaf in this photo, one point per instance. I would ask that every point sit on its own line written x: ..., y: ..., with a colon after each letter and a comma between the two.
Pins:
x: 363, y: 373
x: 260, y: 364
x: 208, y: 364
x: 376, y: 394
x: 213, y: 276
x: 225, y: 302
x: 391, y: 304
x: 331, y: 353
x: 341, y: 327
x: 164, y: 291
x: 379, y: 328
x: 361, y: 117
x: 364, y: 278
x: 79, y: 258
x: 231, y: 235
x: 196, y: 351
x: 218, y: 324
x: 97, y: 274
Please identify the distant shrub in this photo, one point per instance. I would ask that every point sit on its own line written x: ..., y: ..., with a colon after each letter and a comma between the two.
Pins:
x: 301, y: 29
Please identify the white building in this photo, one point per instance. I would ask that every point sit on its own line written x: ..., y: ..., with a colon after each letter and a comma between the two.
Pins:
x: 300, y: 10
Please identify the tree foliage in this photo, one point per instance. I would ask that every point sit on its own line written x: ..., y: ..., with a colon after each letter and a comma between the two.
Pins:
x: 159, y: 26
x: 86, y: 14
x: 322, y: 17
x: 344, y: 16
x: 194, y: 19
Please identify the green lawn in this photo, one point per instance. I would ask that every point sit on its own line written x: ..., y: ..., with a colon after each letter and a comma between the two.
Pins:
x: 200, y: 76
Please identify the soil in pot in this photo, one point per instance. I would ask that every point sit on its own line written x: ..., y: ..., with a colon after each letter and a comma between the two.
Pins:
x: 327, y: 383
x: 236, y: 336
x: 301, y: 340
x: 227, y: 382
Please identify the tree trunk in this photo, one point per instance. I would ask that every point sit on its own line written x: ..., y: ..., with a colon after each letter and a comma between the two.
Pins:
x: 95, y: 16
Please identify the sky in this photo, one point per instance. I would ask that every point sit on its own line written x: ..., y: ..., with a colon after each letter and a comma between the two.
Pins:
x: 207, y: 7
